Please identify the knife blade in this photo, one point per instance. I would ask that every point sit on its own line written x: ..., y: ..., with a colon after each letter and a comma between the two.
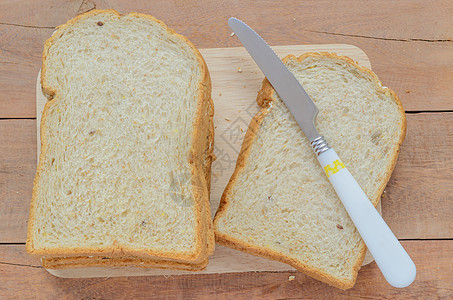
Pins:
x: 296, y: 99
x: 394, y: 262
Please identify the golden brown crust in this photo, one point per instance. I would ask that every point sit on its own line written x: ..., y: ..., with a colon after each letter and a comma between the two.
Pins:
x: 85, y: 262
x: 201, y: 196
x: 93, y: 259
x: 203, y: 152
x: 265, y: 96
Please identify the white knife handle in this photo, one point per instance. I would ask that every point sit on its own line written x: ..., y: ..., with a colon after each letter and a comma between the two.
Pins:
x: 393, y: 261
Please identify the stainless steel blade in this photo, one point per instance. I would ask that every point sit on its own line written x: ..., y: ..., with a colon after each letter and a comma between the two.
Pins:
x: 288, y: 88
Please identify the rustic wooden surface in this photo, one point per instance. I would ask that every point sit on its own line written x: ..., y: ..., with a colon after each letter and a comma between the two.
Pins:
x: 410, y: 46
x: 24, y: 278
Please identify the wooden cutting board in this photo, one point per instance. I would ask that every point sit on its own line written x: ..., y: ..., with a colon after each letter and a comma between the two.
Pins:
x: 236, y: 80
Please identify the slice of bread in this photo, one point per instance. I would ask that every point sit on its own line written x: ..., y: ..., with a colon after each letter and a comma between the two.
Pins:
x: 127, y: 138
x: 106, y: 261
x: 278, y: 203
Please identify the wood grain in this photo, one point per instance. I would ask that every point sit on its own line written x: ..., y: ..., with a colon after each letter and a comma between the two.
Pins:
x: 23, y: 277
x: 408, y: 55
x: 418, y: 200
x: 17, y: 170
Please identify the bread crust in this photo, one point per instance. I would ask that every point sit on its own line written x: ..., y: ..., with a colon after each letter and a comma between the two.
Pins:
x: 199, y: 178
x: 96, y: 262
x: 265, y: 97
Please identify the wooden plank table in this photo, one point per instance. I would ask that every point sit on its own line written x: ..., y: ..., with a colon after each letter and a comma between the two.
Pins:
x: 410, y: 46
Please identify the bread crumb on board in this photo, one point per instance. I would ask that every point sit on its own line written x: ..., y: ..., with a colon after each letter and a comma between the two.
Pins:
x: 408, y: 91
x: 291, y: 278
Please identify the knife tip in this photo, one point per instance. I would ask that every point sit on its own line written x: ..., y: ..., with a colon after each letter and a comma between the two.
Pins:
x: 234, y: 22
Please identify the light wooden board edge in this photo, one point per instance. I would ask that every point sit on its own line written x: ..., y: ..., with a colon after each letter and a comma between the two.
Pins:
x: 235, y: 68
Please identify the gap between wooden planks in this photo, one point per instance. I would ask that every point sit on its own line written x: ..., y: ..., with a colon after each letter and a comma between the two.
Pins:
x: 433, y: 281
x: 418, y: 204
x: 418, y: 201
x: 414, y: 57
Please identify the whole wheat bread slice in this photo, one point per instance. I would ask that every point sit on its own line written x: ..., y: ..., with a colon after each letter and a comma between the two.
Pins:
x: 278, y: 203
x: 126, y: 143
x: 106, y: 261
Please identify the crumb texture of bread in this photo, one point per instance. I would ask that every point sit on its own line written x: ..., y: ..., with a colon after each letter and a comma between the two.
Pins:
x: 118, y: 164
x: 279, y: 203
